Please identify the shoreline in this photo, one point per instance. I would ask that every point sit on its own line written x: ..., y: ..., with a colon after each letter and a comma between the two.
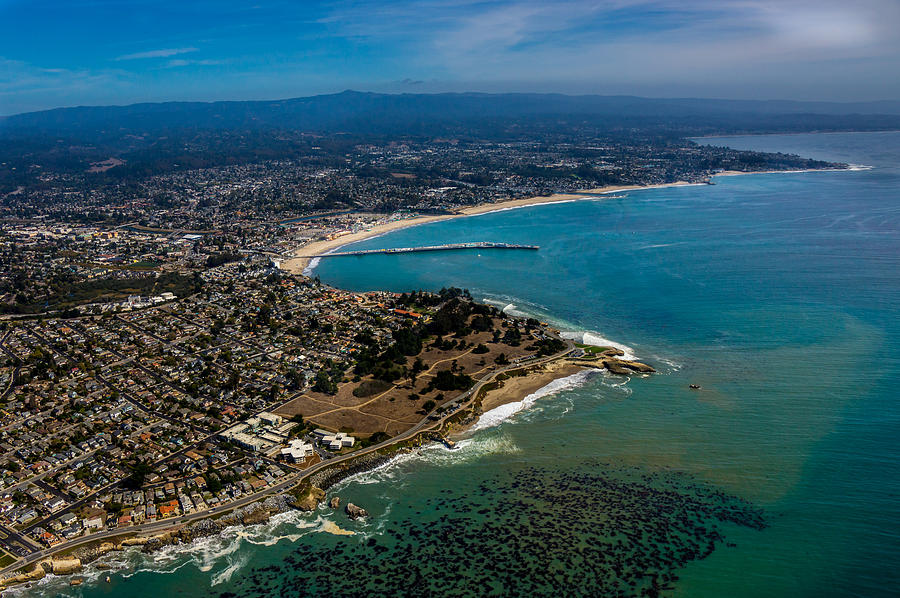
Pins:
x: 719, y: 136
x: 516, y: 390
x: 69, y: 561
x: 304, y: 255
x: 511, y: 390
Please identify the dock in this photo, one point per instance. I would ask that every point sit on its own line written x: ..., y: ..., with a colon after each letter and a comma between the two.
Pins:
x: 446, y: 247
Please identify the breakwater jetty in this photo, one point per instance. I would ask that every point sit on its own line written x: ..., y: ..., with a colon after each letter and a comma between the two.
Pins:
x: 446, y: 247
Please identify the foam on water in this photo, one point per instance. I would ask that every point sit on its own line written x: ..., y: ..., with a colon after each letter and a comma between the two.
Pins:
x: 395, y: 471
x: 208, y: 554
x: 589, y: 337
x: 312, y: 265
x: 235, y: 564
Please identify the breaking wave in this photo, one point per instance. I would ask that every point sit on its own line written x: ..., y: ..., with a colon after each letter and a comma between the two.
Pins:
x: 312, y: 265
x: 592, y: 338
x: 498, y: 415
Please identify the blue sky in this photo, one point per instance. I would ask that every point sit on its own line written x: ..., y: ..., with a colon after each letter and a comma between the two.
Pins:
x: 74, y: 52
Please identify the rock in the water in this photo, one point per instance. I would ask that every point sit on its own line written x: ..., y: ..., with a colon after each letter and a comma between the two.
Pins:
x: 335, y: 502
x: 620, y: 366
x: 637, y: 366
x: 355, y: 512
x: 614, y: 367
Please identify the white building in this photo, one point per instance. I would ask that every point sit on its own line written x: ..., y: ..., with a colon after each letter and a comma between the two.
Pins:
x: 297, y: 451
x: 337, y: 441
x: 270, y: 419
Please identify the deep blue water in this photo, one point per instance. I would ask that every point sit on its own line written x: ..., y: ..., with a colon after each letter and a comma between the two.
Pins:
x: 778, y: 293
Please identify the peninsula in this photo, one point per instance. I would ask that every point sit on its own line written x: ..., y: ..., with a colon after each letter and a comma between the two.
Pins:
x: 383, y: 372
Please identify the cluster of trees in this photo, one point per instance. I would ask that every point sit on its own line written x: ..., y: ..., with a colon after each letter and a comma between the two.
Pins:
x: 447, y: 380
x: 224, y: 257
x: 66, y: 292
x: 328, y: 377
x: 548, y: 346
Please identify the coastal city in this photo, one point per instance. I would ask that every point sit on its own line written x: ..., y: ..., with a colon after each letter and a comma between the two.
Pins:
x: 123, y: 413
x: 164, y: 355
x: 492, y: 299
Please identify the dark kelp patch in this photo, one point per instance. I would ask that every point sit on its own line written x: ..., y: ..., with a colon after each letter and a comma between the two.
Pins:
x: 594, y: 531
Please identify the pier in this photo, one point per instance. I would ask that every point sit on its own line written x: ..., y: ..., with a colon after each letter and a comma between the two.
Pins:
x: 447, y: 247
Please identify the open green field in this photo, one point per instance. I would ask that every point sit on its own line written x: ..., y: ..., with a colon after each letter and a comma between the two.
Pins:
x: 593, y: 349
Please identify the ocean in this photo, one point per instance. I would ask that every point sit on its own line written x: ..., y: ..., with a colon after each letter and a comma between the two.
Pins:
x: 778, y: 294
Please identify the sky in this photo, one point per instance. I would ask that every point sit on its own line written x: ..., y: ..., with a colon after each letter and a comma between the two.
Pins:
x: 87, y: 52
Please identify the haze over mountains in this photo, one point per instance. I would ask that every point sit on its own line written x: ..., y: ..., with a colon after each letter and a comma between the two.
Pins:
x: 131, y: 142
x: 359, y: 112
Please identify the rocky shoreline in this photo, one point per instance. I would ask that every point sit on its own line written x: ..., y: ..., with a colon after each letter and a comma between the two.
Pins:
x: 307, y: 497
x: 254, y: 514
x: 329, y: 477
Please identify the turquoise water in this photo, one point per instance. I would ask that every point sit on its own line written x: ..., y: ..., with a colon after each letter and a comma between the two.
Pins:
x: 779, y: 294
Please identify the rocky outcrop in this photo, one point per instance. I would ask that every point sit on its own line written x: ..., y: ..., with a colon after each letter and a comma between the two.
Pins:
x: 613, y: 352
x: 354, y: 512
x: 335, y: 502
x: 92, y: 552
x: 309, y: 499
x: 256, y: 516
x: 614, y: 366
x: 136, y: 541
x: 35, y: 574
x: 65, y: 565
x: 250, y: 515
x: 637, y: 366
x: 625, y: 368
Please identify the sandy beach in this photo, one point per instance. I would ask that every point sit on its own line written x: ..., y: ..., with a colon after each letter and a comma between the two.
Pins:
x: 304, y: 254
x: 516, y: 389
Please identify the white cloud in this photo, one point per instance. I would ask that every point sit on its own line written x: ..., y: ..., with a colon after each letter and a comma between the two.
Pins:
x: 595, y: 44
x: 180, y: 62
x: 164, y: 53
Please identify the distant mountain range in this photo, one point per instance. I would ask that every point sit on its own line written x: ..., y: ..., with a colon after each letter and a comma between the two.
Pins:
x: 363, y: 113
